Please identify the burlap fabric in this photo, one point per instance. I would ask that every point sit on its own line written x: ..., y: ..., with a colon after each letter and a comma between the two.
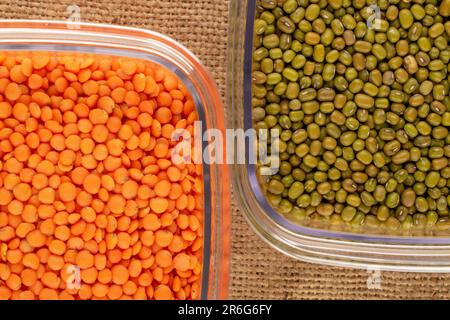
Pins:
x: 257, y: 271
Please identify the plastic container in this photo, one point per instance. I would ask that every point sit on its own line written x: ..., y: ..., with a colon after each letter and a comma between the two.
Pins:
x: 399, y: 253
x: 17, y: 35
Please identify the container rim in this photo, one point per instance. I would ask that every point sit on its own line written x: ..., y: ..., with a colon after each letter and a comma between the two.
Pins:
x: 336, y: 248
x: 296, y: 228
x: 118, y: 40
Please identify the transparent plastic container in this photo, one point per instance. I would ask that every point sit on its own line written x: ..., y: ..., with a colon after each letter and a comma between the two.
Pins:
x: 53, y: 36
x: 307, y: 243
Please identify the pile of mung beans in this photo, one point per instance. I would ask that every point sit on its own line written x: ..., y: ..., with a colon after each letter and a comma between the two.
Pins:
x: 358, y: 91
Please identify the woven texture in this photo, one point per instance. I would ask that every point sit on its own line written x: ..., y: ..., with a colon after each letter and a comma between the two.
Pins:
x: 258, y: 272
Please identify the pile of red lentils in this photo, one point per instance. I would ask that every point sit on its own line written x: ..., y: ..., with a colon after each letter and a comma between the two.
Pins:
x: 91, y: 204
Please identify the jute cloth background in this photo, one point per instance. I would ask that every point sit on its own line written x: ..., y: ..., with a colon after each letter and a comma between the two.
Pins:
x: 257, y: 271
